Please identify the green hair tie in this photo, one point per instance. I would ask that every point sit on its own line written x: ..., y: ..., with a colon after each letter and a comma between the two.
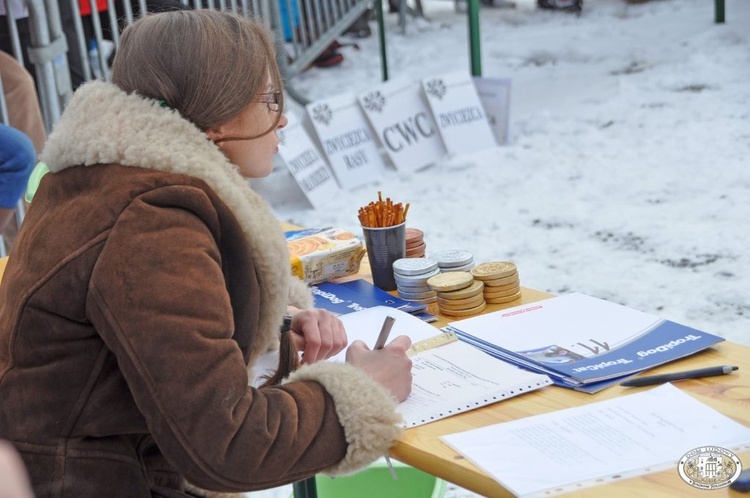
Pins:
x: 163, y: 103
x: 39, y: 171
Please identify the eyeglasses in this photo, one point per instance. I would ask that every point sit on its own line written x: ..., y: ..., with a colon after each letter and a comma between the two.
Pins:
x: 271, y: 99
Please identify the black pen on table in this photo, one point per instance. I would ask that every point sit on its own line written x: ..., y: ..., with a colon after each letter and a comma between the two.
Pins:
x: 688, y: 374
x: 385, y: 331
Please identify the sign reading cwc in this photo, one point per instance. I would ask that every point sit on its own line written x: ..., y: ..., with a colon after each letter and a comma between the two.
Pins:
x: 709, y: 467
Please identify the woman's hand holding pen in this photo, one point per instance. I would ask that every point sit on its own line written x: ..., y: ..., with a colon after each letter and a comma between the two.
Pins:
x: 390, y: 366
x: 318, y: 334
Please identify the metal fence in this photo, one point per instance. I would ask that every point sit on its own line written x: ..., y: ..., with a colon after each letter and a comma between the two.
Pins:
x: 63, y: 47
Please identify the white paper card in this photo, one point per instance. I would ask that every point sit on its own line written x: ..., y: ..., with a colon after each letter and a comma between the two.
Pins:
x: 458, y: 113
x: 494, y: 94
x: 587, y: 445
x: 308, y: 168
x: 400, y: 116
x: 583, y: 325
x: 364, y: 325
x: 347, y: 140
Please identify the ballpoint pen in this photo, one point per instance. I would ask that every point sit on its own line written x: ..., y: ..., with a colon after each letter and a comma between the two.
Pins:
x: 385, y: 331
x: 689, y: 374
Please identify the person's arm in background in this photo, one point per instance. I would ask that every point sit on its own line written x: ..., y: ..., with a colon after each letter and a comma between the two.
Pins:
x: 21, y: 98
x: 14, y: 481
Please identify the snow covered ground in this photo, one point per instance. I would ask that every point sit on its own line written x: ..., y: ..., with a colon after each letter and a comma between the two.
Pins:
x: 627, y: 175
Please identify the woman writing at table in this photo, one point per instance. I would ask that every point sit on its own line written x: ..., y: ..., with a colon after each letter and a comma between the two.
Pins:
x: 148, y: 276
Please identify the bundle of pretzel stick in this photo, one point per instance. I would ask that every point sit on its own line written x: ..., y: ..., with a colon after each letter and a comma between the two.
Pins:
x: 382, y: 213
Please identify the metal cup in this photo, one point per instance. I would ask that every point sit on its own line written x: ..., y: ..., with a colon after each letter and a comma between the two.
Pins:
x: 384, y: 246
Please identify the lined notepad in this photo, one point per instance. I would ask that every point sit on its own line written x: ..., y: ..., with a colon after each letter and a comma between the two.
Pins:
x: 450, y: 378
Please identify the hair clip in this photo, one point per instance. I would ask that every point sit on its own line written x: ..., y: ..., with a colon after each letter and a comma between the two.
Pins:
x: 286, y: 326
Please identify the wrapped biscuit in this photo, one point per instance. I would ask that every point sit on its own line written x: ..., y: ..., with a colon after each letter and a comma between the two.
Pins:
x: 322, y: 254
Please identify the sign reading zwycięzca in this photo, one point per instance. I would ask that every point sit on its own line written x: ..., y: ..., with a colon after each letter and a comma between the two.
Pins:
x: 309, y: 169
x: 347, y: 140
x: 399, y: 114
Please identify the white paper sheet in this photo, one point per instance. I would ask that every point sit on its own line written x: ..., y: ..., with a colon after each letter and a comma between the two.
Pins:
x: 365, y: 325
x: 592, y: 444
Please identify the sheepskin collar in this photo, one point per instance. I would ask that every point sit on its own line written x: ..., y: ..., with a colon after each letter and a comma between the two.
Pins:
x: 104, y: 125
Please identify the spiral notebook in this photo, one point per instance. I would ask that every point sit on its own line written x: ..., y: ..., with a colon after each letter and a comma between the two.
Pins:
x: 449, y: 377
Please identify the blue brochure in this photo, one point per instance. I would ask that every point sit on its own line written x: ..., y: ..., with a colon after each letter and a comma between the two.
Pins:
x: 580, y: 341
x: 356, y: 295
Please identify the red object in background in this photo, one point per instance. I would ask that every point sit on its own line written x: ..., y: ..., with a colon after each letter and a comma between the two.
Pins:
x: 85, y: 6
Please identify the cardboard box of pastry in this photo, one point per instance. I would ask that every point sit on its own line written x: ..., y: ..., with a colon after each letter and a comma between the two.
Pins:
x: 319, y: 254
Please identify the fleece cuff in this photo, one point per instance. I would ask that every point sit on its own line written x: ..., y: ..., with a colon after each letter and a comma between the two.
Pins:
x: 365, y: 409
x: 300, y: 295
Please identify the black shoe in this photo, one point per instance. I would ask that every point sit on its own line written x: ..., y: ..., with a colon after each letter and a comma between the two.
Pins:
x: 360, y: 28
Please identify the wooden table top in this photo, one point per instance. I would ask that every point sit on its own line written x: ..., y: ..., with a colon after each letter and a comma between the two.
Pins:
x: 421, y: 447
x: 729, y: 394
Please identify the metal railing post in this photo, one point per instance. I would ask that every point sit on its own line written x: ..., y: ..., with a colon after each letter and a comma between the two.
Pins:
x: 305, y: 488
x: 719, y: 11
x: 381, y: 39
x: 15, y: 41
x: 41, y: 37
x: 472, y: 12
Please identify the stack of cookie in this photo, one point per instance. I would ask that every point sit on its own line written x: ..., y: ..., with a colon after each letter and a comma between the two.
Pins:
x: 415, y: 245
x: 458, y: 294
x: 454, y: 260
x: 501, y: 283
x: 411, y: 275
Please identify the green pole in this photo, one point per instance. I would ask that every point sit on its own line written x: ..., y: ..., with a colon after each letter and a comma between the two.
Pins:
x: 719, y: 8
x: 472, y: 11
x: 381, y: 38
x: 307, y: 488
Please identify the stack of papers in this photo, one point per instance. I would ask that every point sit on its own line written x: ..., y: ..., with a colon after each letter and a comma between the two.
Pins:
x: 581, y: 342
x: 599, y: 443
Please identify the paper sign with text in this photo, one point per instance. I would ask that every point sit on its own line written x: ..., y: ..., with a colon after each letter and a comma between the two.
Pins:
x: 347, y: 140
x: 495, y: 96
x: 305, y: 163
x: 399, y: 114
x: 458, y: 113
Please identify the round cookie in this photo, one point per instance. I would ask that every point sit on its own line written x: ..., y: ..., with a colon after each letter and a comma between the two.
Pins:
x: 450, y: 281
x: 475, y: 288
x: 503, y: 300
x: 493, y: 270
x: 469, y: 312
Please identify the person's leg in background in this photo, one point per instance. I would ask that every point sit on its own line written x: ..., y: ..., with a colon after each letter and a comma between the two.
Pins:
x: 17, y: 159
x: 25, y: 115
